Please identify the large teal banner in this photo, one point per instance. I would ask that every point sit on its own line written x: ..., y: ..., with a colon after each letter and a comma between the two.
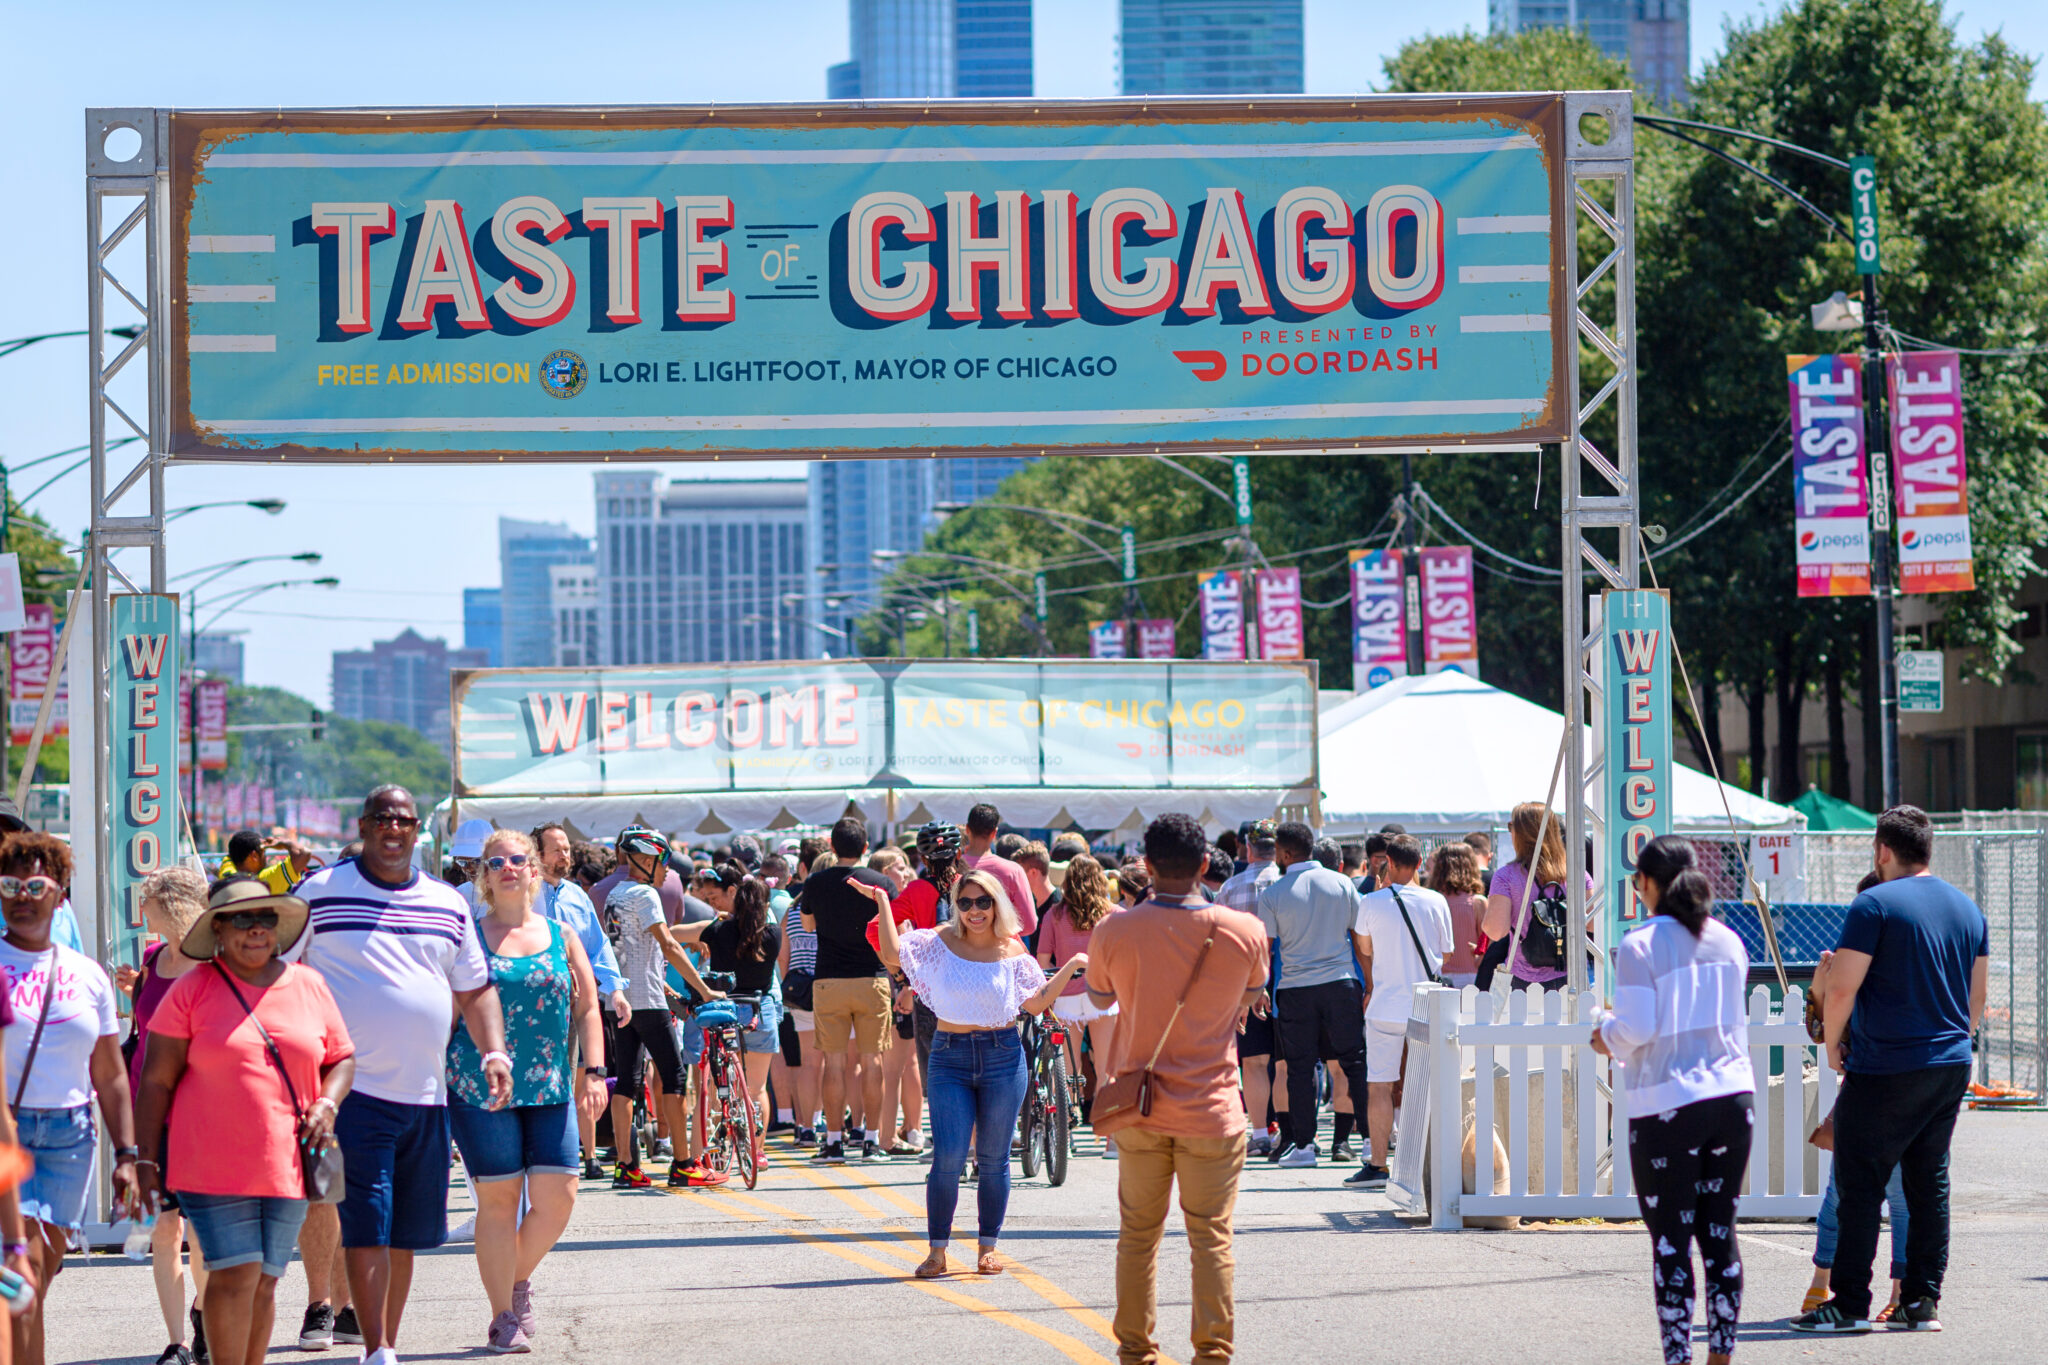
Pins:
x: 854, y: 724
x: 142, y: 740
x: 1635, y: 784
x: 911, y: 279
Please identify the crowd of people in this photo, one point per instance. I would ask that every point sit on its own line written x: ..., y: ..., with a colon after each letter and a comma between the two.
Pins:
x: 533, y: 1008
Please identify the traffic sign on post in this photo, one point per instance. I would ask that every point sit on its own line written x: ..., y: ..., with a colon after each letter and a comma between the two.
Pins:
x: 1920, y: 672
x: 1863, y: 213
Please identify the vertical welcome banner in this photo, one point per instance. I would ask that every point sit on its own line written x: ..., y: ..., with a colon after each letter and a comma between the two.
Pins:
x: 1635, y: 784
x: 1280, y: 619
x: 1106, y: 640
x: 1222, y: 602
x: 143, y: 714
x: 1450, y: 611
x: 1155, y: 639
x: 1830, y: 499
x: 1926, y: 390
x: 1379, y: 644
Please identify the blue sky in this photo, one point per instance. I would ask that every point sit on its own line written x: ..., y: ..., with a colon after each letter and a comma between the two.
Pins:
x: 406, y: 542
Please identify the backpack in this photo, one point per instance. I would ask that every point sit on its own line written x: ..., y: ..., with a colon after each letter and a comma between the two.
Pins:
x: 1548, y: 930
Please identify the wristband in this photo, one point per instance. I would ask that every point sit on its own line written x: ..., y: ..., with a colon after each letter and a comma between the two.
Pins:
x: 122, y: 1154
x: 501, y: 1056
x: 15, y: 1249
x: 597, y: 1073
x: 151, y: 1164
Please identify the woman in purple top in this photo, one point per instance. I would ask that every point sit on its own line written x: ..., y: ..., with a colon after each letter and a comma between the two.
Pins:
x: 172, y: 902
x: 1069, y: 923
x: 1504, y: 903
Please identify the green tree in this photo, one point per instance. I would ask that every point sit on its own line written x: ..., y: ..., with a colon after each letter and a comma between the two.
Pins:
x: 353, y: 757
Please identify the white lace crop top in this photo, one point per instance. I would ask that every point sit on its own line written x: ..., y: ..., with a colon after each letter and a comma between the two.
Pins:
x: 962, y: 991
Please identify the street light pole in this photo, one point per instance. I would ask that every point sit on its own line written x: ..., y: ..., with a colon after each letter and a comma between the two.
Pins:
x: 1863, y: 222
x: 1411, y: 569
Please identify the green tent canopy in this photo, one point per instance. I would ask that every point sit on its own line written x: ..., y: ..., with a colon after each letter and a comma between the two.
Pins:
x: 1831, y: 812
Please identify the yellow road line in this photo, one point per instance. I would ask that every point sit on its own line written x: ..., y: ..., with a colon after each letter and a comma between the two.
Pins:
x: 844, y: 1195
x: 1067, y: 1346
x: 887, y: 1192
x: 702, y: 1200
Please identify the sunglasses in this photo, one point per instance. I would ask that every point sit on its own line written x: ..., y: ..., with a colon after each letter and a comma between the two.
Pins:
x: 974, y: 903
x: 247, y: 919
x: 395, y: 820
x: 35, y: 888
x: 505, y: 860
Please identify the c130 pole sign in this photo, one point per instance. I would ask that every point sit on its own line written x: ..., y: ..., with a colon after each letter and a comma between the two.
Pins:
x: 1286, y: 274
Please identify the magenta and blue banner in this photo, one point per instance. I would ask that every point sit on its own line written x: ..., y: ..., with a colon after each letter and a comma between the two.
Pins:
x: 1927, y: 455
x: 1830, y: 499
x: 1379, y: 641
x: 1222, y: 604
x: 770, y: 281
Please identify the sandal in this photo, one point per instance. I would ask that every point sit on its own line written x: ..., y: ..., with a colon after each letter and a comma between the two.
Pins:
x: 933, y: 1266
x: 1885, y: 1314
x: 1814, y: 1299
x: 989, y: 1264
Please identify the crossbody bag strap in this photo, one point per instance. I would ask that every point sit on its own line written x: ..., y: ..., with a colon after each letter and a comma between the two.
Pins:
x: 269, y: 1045
x: 42, y: 1021
x: 1432, y: 971
x: 1193, y: 973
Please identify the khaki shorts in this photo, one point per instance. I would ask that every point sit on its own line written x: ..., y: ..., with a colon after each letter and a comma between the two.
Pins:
x: 850, y: 1007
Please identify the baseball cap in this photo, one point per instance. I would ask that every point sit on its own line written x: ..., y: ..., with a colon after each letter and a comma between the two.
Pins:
x: 1264, y: 831
x: 469, y: 839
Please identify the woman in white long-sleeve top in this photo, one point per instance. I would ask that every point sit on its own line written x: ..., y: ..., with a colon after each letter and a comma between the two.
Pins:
x: 1679, y: 1032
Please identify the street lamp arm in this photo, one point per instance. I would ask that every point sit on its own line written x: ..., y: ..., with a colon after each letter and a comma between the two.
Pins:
x: 1660, y: 121
x: 1050, y: 514
x: 1180, y: 468
x: 249, y: 593
x: 1780, y: 186
x: 217, y: 571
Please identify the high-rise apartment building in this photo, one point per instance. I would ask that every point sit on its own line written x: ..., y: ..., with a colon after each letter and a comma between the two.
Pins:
x: 573, y: 593
x: 526, y: 551
x: 701, y: 570
x: 402, y: 680
x: 926, y: 49
x: 1653, y: 36
x: 219, y: 654
x: 1210, y: 47
x: 483, y: 623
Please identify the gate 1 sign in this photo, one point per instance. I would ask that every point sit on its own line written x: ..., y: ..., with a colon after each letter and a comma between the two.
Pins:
x: 1927, y: 446
x: 1830, y: 501
x: 927, y: 278
x: 1779, y: 862
x: 1635, y: 785
x: 143, y: 741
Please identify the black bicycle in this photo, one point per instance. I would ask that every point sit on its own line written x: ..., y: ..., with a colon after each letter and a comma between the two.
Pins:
x: 1045, y: 1127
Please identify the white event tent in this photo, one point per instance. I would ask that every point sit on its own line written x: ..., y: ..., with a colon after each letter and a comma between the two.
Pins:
x: 1447, y: 753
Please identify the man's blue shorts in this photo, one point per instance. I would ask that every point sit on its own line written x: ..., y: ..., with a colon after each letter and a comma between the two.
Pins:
x: 396, y: 1157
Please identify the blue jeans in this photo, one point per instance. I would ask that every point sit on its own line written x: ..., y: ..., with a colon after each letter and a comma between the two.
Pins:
x: 238, y: 1230
x: 1830, y: 1229
x: 513, y: 1142
x: 975, y: 1088
x: 61, y: 1141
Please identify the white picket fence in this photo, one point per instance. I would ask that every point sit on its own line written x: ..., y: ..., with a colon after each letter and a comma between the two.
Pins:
x: 1459, y: 1053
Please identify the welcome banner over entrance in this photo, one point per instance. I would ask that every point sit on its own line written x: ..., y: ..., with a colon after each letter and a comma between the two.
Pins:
x: 916, y: 279
x: 860, y: 723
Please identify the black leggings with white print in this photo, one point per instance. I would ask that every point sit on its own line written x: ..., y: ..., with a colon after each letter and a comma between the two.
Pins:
x: 1688, y: 1165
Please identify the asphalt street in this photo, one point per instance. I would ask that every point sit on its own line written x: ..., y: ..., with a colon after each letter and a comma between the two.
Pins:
x: 814, y: 1266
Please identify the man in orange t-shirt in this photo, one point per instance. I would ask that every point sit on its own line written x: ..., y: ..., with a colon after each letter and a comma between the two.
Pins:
x: 1142, y: 961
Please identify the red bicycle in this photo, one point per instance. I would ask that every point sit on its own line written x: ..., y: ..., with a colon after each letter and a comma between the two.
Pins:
x: 725, y: 1108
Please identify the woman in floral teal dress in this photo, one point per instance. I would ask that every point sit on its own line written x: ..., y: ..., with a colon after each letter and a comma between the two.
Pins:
x: 529, y: 1146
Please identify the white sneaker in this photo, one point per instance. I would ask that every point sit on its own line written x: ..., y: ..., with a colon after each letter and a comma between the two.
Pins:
x: 383, y: 1355
x: 1109, y: 1149
x: 464, y: 1231
x: 1297, y: 1158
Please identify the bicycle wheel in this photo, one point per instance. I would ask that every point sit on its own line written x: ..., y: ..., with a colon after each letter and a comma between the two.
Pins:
x: 1058, y: 1131
x: 743, y: 1133
x: 710, y: 1125
x: 1031, y: 1121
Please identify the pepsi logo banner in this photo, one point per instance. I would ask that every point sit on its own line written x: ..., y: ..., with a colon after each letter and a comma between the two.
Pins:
x: 1830, y: 498
x: 928, y: 278
x: 1926, y: 392
x: 1222, y: 601
x: 1280, y: 616
x: 1450, y: 611
x: 1379, y: 632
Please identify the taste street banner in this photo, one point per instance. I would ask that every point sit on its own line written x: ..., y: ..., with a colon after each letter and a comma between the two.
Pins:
x: 1926, y: 392
x: 1830, y: 500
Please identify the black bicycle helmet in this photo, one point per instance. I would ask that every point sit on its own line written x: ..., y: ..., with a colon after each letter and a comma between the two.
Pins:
x: 640, y: 839
x: 939, y: 840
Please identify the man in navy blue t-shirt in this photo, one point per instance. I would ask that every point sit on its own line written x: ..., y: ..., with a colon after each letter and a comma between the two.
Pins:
x: 1912, y: 966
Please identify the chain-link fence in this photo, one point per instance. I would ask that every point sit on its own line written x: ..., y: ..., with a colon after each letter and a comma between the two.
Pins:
x: 2004, y: 870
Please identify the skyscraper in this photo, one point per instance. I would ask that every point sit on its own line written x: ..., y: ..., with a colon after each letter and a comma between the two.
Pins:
x: 403, y: 680
x: 526, y: 550
x: 483, y: 623
x: 1211, y: 47
x: 992, y: 48
x: 1652, y: 36
x: 920, y: 49
x: 697, y: 571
